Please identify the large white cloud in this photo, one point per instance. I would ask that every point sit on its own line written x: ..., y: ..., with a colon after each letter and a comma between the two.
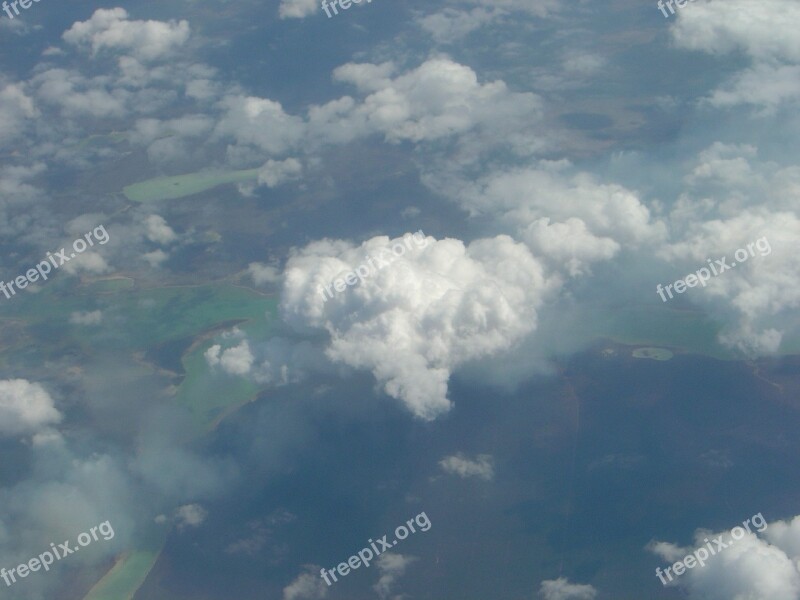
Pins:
x: 414, y: 321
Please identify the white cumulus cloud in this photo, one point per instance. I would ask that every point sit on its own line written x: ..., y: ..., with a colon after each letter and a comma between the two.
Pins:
x: 416, y: 320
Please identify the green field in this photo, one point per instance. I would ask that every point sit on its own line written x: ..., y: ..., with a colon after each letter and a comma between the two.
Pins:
x: 208, y: 394
x: 142, y: 317
x: 180, y: 186
x: 125, y: 577
x: 160, y: 315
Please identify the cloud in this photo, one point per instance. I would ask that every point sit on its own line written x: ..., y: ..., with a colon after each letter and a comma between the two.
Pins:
x: 263, y: 274
x: 767, y: 86
x: 568, y: 218
x: 236, y: 361
x: 23, y: 203
x: 430, y: 310
x: 111, y: 29
x: 79, y: 96
x: 297, y: 9
x: 190, y: 515
x: 539, y: 8
x: 168, y: 140
x: 158, y: 231
x: 391, y: 567
x: 750, y: 568
x: 62, y: 492
x: 562, y: 589
x: 458, y: 464
x: 760, y: 292
x: 307, y: 586
x: 274, y: 173
x: 89, y: 262
x: 17, y: 111
x: 282, y: 361
x: 258, y: 122
x: 25, y: 408
x: 438, y: 99
x: 522, y: 196
x: 259, y: 532
x: 155, y: 258
x: 765, y: 30
x: 450, y: 24
x: 570, y: 244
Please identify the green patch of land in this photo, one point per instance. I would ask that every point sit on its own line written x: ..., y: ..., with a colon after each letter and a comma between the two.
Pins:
x: 652, y: 353
x: 159, y: 315
x: 142, y: 317
x: 180, y: 186
x: 125, y: 577
x: 146, y: 321
x: 207, y: 393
